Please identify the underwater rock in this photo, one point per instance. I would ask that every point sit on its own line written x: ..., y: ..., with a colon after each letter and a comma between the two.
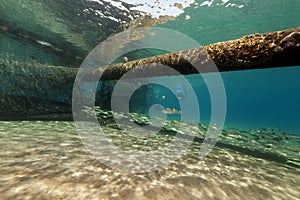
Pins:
x: 53, y: 83
x: 35, y: 91
x: 29, y: 108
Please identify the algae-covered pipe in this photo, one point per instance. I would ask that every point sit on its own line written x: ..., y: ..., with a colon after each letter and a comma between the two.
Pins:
x: 54, y: 83
x: 257, y: 51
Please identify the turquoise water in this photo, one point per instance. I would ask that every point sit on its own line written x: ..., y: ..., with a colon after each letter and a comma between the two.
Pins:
x: 256, y: 98
x: 263, y: 98
x: 43, y: 43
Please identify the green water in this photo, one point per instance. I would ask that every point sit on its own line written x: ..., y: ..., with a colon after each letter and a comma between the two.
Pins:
x: 215, y: 24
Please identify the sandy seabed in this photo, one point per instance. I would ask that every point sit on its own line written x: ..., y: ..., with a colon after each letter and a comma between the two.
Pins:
x: 47, y: 160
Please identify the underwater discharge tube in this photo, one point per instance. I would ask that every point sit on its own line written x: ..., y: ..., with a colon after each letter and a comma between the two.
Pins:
x: 256, y: 51
x: 53, y: 84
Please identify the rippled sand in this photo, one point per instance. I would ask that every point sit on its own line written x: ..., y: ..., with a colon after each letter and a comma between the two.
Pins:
x: 46, y: 160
